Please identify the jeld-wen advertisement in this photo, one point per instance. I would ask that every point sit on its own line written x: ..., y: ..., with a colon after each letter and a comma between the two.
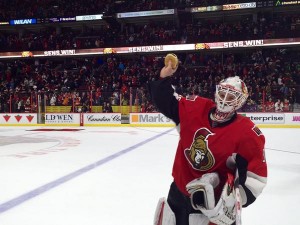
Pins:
x: 62, y: 118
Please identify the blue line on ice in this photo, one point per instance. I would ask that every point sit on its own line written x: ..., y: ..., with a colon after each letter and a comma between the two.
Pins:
x: 40, y: 190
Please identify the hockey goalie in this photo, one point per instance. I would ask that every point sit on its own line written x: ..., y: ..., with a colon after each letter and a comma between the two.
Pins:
x: 219, y: 166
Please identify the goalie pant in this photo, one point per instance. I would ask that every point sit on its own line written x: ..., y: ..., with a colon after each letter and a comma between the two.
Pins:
x: 165, y: 216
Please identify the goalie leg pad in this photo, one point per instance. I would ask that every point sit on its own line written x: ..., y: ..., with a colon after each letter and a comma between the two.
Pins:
x: 164, y: 214
x: 198, y: 219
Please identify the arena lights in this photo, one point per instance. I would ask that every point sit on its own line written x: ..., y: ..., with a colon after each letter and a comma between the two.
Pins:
x: 53, y: 20
x: 266, y: 3
x: 4, y: 23
x: 60, y: 52
x: 155, y: 48
x: 272, y: 3
x: 146, y: 13
x: 286, y: 2
x: 165, y: 12
x: 206, y: 9
x: 23, y: 21
x: 27, y: 54
x: 247, y: 43
x: 89, y: 17
x: 248, y: 5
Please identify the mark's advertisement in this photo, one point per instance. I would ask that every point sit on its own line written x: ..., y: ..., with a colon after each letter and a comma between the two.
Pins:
x: 149, y: 118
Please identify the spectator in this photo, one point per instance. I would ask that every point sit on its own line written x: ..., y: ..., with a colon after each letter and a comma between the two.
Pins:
x: 161, y: 32
x: 108, y: 108
x: 278, y: 106
x: 286, y: 105
x: 53, y: 100
x: 270, y: 105
x: 284, y: 90
x: 21, y: 78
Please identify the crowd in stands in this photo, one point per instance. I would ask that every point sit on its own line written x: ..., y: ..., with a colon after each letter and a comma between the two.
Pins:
x: 270, y: 75
x: 154, y: 33
x: 263, y: 27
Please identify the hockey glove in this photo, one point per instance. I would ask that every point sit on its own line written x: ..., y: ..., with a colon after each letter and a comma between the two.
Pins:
x: 202, y: 191
x: 225, y: 211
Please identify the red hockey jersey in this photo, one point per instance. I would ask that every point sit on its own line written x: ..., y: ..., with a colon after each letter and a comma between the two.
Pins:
x: 204, y: 149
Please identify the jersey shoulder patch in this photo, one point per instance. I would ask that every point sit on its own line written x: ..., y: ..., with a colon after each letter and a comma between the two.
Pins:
x: 257, y: 131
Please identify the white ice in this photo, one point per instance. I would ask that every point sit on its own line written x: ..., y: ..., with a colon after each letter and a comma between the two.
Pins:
x: 115, y: 176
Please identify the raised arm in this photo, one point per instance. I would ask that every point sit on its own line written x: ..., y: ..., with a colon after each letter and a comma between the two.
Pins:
x: 163, y: 94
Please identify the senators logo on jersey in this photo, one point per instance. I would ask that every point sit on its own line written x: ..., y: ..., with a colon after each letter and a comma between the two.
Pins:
x: 199, y: 155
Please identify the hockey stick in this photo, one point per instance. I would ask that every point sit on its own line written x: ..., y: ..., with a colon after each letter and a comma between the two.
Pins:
x: 238, y: 203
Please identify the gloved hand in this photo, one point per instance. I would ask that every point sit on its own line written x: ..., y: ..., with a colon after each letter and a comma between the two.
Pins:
x: 202, y: 191
x: 225, y: 211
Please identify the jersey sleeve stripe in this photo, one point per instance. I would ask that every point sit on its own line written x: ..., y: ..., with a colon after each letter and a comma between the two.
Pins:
x: 255, y: 183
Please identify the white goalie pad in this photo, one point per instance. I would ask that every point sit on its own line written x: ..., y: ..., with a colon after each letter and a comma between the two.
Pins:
x: 198, y: 219
x: 164, y: 214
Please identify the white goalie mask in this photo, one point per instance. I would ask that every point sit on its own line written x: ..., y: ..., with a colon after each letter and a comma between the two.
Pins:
x: 231, y: 94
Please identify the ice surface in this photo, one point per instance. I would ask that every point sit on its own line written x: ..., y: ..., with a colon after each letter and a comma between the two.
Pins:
x: 115, y: 176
